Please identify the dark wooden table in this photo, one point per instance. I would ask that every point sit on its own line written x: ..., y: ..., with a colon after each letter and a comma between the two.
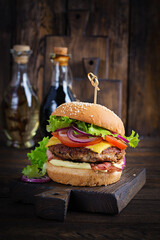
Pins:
x: 139, y: 220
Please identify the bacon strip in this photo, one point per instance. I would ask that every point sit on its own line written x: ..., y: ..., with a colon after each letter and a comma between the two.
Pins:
x: 51, y: 156
x: 105, y: 166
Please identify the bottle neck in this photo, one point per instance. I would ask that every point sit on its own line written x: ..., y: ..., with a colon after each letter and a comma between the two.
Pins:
x: 59, y: 75
x: 19, y: 74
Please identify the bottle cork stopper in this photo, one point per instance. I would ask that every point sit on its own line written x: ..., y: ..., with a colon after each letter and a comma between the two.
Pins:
x: 22, y: 59
x: 21, y: 48
x: 60, y: 50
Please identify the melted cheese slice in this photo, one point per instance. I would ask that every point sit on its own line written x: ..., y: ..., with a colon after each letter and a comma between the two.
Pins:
x: 53, y: 141
x: 98, y: 148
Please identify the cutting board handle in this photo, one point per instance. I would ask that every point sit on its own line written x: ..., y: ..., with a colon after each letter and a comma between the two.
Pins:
x: 53, y: 204
x: 91, y: 64
x: 78, y: 22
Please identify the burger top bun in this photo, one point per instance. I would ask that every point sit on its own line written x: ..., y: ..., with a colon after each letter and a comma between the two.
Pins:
x: 91, y: 113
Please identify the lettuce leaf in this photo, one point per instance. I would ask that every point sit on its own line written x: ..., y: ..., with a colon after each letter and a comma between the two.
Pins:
x: 99, y: 131
x: 38, y: 160
x: 58, y: 122
x: 61, y: 122
x: 38, y: 155
x: 32, y: 171
x: 133, y: 139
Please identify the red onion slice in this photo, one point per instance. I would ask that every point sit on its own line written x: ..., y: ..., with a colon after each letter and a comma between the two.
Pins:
x: 81, y: 132
x: 122, y: 138
x: 44, y: 179
x: 72, y: 137
x: 60, y: 129
x: 62, y: 133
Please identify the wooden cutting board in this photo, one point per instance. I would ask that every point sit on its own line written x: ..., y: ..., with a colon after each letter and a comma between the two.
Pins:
x: 88, y: 53
x: 52, y: 200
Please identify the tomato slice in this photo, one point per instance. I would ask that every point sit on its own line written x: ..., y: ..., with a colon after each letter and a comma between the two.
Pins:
x: 118, y: 143
x: 62, y: 136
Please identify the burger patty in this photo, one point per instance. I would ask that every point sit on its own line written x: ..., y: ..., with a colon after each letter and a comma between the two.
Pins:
x: 82, y: 154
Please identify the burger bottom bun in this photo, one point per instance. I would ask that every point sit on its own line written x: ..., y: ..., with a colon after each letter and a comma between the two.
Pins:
x: 81, y: 177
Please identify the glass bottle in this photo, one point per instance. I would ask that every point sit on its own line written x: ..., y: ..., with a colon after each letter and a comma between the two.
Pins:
x: 60, y: 90
x: 20, y: 106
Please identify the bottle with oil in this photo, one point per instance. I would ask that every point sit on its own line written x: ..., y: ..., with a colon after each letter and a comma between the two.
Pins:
x: 60, y: 90
x: 20, y: 106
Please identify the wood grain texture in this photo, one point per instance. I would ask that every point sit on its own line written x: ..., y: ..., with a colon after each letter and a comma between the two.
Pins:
x: 133, y: 31
x: 139, y: 220
x: 6, y: 25
x: 38, y: 19
x: 144, y: 74
x: 111, y: 18
x: 53, y: 204
x: 51, y: 200
x: 91, y: 64
x: 80, y: 46
x: 110, y: 94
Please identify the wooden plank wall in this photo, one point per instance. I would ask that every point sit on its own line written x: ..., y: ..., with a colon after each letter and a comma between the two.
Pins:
x: 144, y: 68
x: 133, y: 30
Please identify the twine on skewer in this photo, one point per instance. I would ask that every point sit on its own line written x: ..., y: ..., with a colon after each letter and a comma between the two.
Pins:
x: 94, y: 81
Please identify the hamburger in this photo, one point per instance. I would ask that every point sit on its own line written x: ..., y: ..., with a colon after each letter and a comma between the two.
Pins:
x: 88, y: 144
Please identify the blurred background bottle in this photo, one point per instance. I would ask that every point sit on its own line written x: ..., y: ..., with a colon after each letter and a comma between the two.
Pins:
x: 20, y: 106
x: 60, y: 90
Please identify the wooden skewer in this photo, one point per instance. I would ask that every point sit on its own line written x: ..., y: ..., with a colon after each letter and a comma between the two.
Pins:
x: 94, y: 81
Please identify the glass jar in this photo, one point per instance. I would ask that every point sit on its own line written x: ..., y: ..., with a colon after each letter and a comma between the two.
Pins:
x: 60, y: 90
x: 20, y: 106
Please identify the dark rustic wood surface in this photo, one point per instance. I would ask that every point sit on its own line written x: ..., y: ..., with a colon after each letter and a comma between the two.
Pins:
x: 79, y: 46
x: 139, y: 220
x: 111, y: 18
x: 52, y: 200
x: 144, y: 73
x: 132, y: 27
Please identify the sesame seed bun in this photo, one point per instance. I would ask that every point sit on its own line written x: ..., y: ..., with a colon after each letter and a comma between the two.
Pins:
x: 81, y: 177
x: 94, y: 114
x: 91, y: 113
